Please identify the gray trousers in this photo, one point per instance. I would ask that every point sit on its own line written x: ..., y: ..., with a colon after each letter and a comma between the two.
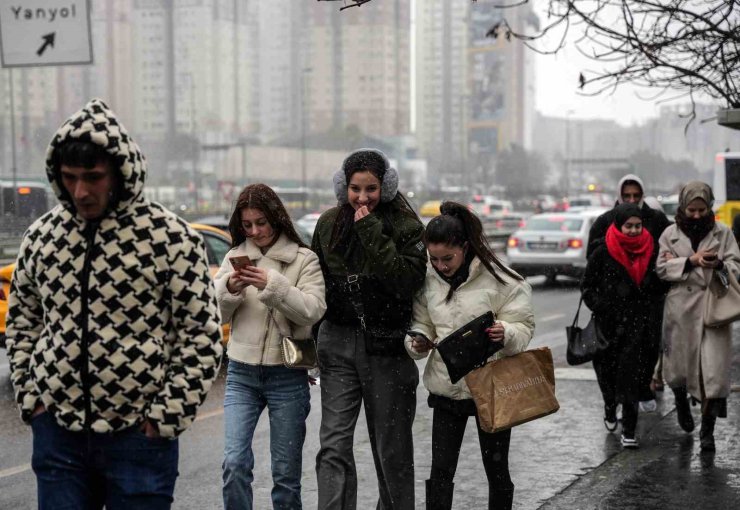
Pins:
x: 387, y: 386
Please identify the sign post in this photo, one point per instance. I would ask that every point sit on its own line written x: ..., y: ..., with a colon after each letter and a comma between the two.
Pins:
x: 42, y: 33
x: 45, y: 33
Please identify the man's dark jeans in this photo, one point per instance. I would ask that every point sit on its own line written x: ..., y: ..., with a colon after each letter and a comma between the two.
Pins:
x: 126, y: 470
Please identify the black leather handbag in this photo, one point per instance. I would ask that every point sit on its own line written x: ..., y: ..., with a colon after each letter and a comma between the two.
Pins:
x: 584, y: 343
x: 468, y: 347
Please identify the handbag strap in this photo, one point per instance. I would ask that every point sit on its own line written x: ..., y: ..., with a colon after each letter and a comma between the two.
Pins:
x: 269, y: 310
x: 578, y: 311
x: 274, y: 321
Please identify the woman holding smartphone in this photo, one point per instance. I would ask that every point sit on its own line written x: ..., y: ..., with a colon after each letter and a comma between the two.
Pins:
x: 696, y: 359
x: 269, y: 285
x: 465, y: 280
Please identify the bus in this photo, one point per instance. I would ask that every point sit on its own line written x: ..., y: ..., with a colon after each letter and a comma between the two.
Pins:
x: 25, y: 199
x: 726, y: 186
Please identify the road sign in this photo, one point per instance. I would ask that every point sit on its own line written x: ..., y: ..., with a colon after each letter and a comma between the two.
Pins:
x: 45, y: 32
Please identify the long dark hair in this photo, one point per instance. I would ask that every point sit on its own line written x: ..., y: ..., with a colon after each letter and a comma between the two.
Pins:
x: 263, y: 198
x: 366, y: 161
x: 455, y: 226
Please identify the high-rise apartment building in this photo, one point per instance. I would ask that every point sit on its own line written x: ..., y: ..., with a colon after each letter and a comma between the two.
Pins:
x: 359, y: 68
x: 474, y: 93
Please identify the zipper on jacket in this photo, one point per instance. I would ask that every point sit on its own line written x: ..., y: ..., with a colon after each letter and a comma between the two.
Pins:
x: 89, y: 233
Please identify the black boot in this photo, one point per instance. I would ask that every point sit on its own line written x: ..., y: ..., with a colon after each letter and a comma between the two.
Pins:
x: 683, y: 411
x: 439, y: 494
x: 706, y: 434
x: 500, y: 499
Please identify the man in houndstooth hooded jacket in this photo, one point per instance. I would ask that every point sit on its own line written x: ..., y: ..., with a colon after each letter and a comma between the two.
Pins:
x: 113, y: 328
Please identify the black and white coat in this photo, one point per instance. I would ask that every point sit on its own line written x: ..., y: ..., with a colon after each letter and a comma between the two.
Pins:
x: 114, y: 322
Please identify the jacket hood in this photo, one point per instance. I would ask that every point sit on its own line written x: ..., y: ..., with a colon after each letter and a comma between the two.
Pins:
x: 630, y: 177
x: 96, y: 123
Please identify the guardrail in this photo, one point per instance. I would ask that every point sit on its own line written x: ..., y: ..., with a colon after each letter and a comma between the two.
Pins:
x: 9, y: 246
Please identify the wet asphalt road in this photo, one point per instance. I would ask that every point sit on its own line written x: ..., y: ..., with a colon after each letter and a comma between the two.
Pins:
x: 562, y: 461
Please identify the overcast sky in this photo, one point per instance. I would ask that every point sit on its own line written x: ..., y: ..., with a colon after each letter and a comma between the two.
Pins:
x: 557, y: 92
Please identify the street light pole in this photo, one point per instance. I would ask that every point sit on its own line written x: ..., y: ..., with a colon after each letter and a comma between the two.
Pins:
x: 567, y: 152
x: 14, y: 161
x: 303, y: 138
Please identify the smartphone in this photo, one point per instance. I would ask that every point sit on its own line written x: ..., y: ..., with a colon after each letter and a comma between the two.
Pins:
x: 240, y: 262
x: 422, y: 335
x: 710, y: 257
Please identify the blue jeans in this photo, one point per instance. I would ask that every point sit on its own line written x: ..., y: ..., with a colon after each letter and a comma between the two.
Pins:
x: 79, y: 470
x: 249, y: 388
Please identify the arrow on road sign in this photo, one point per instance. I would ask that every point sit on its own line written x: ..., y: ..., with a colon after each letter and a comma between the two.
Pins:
x: 48, y: 41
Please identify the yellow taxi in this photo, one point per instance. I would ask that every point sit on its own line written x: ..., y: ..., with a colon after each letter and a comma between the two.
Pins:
x: 218, y: 243
x: 430, y: 209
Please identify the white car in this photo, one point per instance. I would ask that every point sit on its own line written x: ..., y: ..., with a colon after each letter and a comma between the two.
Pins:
x: 308, y: 223
x: 670, y: 206
x: 552, y: 244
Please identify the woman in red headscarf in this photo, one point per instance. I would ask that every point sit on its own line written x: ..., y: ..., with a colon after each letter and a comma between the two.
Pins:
x: 620, y: 286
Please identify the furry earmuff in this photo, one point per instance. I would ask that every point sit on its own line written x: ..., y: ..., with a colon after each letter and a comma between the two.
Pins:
x: 388, y: 183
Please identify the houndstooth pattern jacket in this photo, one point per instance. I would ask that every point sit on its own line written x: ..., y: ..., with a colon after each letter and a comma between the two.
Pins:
x: 112, y: 323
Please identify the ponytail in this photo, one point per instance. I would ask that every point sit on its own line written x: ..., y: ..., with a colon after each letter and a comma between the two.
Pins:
x: 457, y: 225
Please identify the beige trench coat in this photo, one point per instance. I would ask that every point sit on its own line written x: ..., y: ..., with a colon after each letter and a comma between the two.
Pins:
x: 694, y: 353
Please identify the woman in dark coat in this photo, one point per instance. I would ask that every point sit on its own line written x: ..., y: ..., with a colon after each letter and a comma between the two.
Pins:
x: 374, y: 261
x: 621, y: 288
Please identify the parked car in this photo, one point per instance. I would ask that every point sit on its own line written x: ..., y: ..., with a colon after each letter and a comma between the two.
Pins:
x: 499, y: 227
x: 6, y: 273
x: 485, y: 206
x: 308, y: 224
x: 552, y: 244
x: 670, y: 206
x: 581, y: 202
x: 429, y: 210
x: 218, y: 243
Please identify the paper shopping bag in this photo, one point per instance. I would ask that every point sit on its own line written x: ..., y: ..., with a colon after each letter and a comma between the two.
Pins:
x: 514, y: 390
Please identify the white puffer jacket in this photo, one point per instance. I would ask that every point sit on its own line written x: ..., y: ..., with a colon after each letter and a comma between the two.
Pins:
x: 294, y: 291
x: 511, y: 303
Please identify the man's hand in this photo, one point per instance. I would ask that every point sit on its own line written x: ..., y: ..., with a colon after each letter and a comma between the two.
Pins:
x: 40, y: 409
x: 361, y: 213
x: 149, y: 430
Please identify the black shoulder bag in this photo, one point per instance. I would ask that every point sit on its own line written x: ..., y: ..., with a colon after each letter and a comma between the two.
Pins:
x: 584, y: 344
x: 377, y: 343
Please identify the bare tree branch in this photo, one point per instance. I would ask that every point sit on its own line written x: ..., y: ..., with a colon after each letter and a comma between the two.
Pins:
x: 687, y: 46
x: 355, y: 3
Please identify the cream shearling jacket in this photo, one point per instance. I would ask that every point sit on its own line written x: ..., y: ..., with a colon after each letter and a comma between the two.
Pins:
x: 511, y: 303
x: 294, y: 293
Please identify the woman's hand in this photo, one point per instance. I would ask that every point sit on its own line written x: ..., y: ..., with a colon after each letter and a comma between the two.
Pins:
x: 361, y: 213
x: 421, y: 344
x: 496, y: 332
x: 256, y: 276
x: 236, y: 282
x: 704, y: 258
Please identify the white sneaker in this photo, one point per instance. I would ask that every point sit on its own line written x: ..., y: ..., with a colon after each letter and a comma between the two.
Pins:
x: 649, y: 406
x: 629, y: 442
